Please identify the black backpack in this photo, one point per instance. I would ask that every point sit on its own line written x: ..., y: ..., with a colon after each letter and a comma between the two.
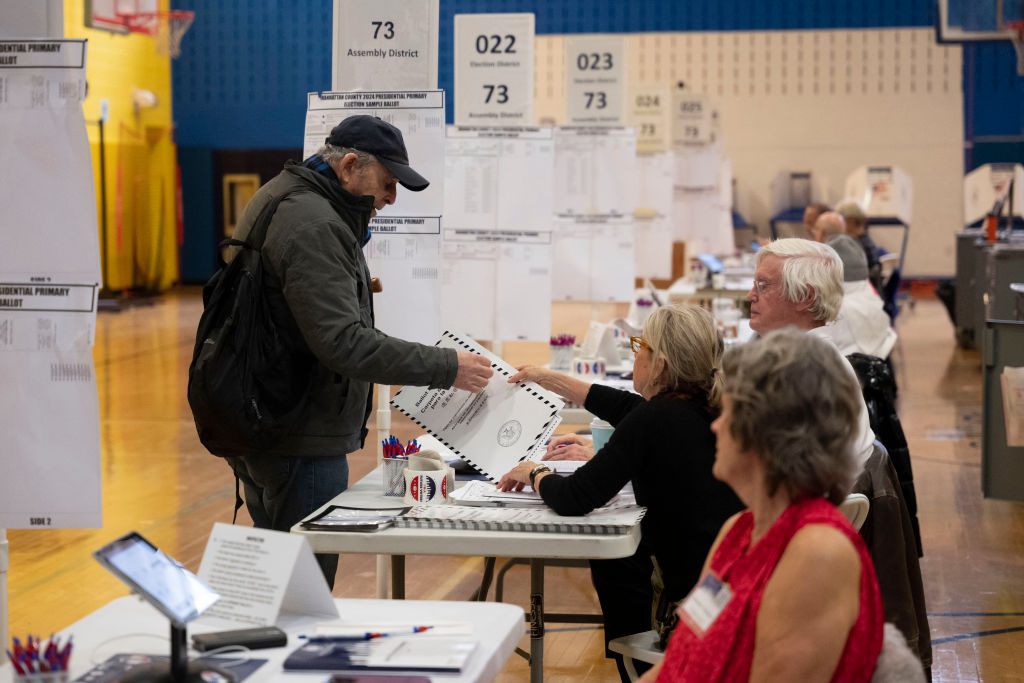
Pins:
x: 246, y: 383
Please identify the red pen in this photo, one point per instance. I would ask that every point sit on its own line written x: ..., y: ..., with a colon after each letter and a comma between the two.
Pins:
x: 14, y: 662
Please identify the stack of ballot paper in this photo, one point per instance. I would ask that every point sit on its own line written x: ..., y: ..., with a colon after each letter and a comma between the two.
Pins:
x: 492, y: 430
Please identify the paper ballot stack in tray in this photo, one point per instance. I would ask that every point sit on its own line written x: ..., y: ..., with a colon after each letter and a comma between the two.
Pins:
x: 492, y: 430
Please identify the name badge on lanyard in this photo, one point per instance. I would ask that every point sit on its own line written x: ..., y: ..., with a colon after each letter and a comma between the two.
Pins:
x: 704, y: 603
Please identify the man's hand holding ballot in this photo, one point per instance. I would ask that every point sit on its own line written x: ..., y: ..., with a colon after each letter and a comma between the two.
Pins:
x: 473, y: 373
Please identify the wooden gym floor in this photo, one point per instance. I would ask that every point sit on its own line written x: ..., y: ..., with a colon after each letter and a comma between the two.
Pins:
x: 159, y: 480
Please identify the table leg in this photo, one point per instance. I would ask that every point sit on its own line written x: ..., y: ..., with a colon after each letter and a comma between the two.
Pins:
x: 398, y: 577
x: 536, y: 620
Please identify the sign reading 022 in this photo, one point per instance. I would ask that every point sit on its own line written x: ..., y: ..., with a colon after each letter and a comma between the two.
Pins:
x: 494, y: 69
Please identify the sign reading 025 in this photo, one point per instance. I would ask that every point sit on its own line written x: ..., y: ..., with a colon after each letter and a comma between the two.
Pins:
x: 494, y: 69
x: 594, y: 68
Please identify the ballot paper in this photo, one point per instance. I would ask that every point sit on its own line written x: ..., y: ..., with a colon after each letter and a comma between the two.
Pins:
x: 492, y: 430
x: 405, y: 248
x: 49, y: 279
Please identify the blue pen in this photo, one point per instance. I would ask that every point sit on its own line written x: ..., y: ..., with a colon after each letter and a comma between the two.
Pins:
x: 369, y: 635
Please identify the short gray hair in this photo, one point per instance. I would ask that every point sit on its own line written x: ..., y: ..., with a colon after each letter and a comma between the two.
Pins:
x: 796, y: 407
x: 852, y: 212
x: 831, y: 224
x: 687, y: 338
x: 809, y: 265
x: 333, y: 154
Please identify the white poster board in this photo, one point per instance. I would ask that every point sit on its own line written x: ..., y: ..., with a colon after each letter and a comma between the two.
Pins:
x: 494, y: 69
x: 595, y: 74
x: 595, y: 255
x: 385, y: 42
x: 49, y: 279
x: 496, y: 267
x: 593, y: 170
x: 405, y: 249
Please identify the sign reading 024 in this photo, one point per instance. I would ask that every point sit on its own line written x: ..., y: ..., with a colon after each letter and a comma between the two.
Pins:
x: 494, y: 69
x: 594, y: 68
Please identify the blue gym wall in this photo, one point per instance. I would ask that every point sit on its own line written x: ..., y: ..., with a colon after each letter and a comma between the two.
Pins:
x: 246, y: 66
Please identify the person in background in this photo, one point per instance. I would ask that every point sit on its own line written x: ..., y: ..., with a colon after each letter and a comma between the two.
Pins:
x: 788, y: 591
x: 663, y: 444
x: 799, y: 283
x: 811, y: 214
x: 318, y: 289
x: 828, y: 225
x: 862, y: 326
x: 857, y: 228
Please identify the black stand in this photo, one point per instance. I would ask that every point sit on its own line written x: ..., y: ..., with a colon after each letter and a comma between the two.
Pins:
x: 179, y: 670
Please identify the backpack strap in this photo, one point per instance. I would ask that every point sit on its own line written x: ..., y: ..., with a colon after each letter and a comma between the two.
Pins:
x: 258, y: 233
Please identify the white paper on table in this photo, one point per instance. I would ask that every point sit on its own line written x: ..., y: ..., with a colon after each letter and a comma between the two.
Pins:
x: 405, y: 253
x: 49, y: 413
x: 491, y: 430
x: 420, y: 117
x: 592, y: 170
x: 653, y: 246
x: 260, y: 575
x: 359, y: 628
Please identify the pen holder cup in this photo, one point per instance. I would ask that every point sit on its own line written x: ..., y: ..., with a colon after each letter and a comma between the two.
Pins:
x: 601, y: 431
x: 394, y: 476
x: 589, y: 368
x: 42, y: 677
x: 561, y: 358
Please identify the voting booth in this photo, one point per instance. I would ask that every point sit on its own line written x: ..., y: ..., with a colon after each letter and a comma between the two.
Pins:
x: 887, y: 195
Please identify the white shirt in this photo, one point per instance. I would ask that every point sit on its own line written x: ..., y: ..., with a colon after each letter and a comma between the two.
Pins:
x: 862, y: 325
x: 865, y: 439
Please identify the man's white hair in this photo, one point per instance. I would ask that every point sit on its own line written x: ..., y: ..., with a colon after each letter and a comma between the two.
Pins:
x: 809, y: 266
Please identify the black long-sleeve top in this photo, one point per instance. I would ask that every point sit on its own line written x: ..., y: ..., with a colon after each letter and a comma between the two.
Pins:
x: 665, y: 446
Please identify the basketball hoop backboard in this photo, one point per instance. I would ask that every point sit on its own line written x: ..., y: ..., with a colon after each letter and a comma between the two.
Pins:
x: 109, y: 15
x: 963, y: 21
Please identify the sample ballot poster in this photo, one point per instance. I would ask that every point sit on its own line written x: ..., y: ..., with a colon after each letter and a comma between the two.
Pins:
x: 405, y: 248
x: 496, y: 272
x: 595, y: 200
x: 49, y: 279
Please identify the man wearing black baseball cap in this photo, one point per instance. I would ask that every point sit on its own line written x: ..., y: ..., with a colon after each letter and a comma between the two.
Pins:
x: 317, y: 285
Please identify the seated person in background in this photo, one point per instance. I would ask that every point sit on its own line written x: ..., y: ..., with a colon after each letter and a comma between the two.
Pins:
x: 788, y: 592
x: 811, y: 214
x: 663, y: 444
x: 863, y: 326
x: 857, y: 228
x: 799, y: 283
x: 828, y: 225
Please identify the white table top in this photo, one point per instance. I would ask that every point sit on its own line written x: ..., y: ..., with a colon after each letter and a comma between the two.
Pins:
x: 497, y: 626
x: 366, y: 493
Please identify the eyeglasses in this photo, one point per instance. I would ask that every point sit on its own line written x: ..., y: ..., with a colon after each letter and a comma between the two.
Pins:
x: 637, y: 343
x: 762, y: 286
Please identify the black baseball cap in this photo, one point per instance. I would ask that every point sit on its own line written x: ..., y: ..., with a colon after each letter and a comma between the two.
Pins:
x: 379, y: 138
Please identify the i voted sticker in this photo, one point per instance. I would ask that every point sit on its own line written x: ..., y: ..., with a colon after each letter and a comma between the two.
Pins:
x: 704, y: 603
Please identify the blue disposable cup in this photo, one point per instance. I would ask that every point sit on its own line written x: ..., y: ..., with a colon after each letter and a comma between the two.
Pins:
x: 601, y: 431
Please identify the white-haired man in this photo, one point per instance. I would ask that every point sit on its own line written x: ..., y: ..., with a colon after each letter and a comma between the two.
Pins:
x: 799, y: 283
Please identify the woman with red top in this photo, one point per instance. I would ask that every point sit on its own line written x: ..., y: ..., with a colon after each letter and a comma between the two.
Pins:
x: 788, y: 592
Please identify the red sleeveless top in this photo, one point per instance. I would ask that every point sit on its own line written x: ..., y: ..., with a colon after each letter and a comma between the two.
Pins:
x: 726, y: 650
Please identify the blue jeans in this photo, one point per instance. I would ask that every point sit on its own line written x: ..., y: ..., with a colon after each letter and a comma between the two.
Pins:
x: 281, y: 491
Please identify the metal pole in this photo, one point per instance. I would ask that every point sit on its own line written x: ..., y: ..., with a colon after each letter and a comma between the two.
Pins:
x: 4, y: 565
x: 383, y: 429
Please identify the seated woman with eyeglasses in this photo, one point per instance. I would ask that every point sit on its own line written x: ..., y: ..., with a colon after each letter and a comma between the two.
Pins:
x: 663, y: 444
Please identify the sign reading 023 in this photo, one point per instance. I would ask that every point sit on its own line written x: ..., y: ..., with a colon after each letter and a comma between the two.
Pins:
x: 594, y: 80
x: 494, y: 69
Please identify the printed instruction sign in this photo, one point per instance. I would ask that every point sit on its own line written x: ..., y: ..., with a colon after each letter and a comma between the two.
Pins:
x: 649, y: 107
x: 388, y: 44
x: 595, y: 70
x: 49, y: 279
x: 260, y: 575
x: 494, y: 69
